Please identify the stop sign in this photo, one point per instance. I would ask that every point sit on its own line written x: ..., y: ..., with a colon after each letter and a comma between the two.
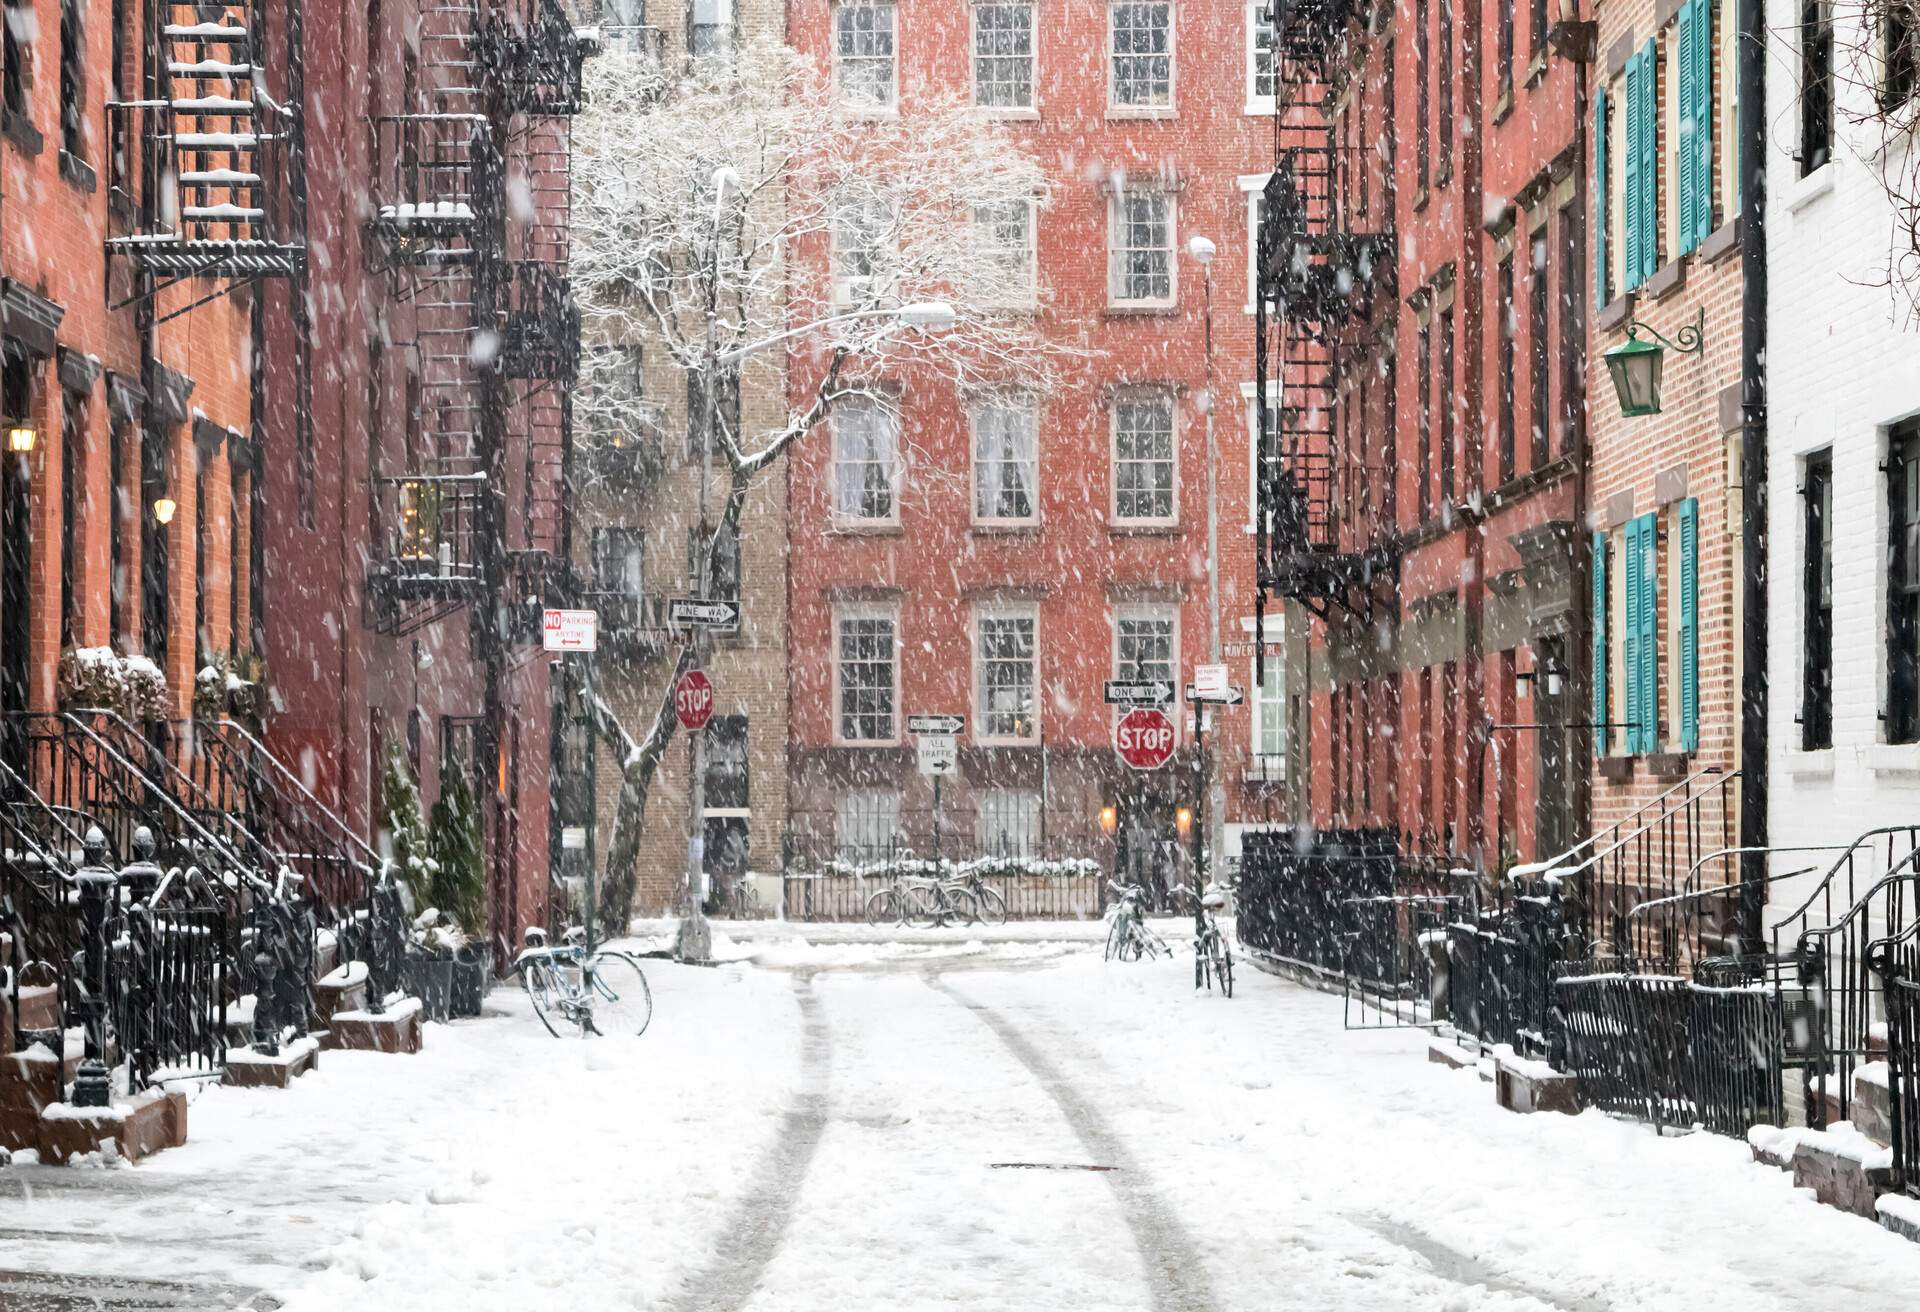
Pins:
x: 693, y: 700
x: 1144, y: 738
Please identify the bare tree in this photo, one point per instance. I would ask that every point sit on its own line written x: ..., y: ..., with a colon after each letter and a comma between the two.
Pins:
x: 746, y: 207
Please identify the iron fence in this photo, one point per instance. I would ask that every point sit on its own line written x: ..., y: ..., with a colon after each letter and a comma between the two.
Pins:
x: 1903, y: 1072
x: 1672, y: 1051
x: 1294, y: 890
x: 1028, y: 896
x: 168, y: 1008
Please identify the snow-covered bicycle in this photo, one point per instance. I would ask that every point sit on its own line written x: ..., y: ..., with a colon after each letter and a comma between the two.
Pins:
x: 576, y: 994
x: 1212, y: 958
x: 1128, y: 936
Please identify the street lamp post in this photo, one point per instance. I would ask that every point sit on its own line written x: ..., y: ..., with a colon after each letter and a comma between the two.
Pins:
x: 1202, y: 251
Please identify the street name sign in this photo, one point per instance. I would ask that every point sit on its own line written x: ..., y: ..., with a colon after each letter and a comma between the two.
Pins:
x: 570, y: 630
x: 1232, y: 695
x: 948, y: 725
x: 1123, y: 692
x: 1144, y: 738
x: 939, y: 753
x: 682, y: 611
x: 693, y: 700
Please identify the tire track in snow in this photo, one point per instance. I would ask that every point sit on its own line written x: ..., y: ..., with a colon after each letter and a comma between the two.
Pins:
x: 1176, y: 1275
x: 748, y: 1244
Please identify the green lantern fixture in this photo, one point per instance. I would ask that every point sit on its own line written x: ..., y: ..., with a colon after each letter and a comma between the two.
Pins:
x: 1636, y: 364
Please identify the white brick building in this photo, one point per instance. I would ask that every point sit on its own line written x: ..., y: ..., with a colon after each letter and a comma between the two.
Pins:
x: 1845, y: 394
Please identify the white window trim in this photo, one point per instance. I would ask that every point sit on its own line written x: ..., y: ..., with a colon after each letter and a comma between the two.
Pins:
x: 1275, y: 391
x: 1256, y: 104
x: 1148, y: 610
x: 1032, y: 405
x: 864, y: 108
x: 1114, y: 517
x: 867, y: 611
x: 1032, y: 298
x: 1003, y: 610
x: 1264, y: 763
x: 858, y: 523
x: 973, y: 68
x: 845, y: 283
x: 1253, y: 185
x: 1170, y: 109
x: 1114, y: 201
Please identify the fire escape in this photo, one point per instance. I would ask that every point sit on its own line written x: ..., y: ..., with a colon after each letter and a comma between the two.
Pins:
x: 1317, y: 279
x: 470, y: 211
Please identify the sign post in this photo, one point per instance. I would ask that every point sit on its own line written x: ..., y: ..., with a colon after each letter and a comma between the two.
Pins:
x: 577, y: 632
x: 936, y: 740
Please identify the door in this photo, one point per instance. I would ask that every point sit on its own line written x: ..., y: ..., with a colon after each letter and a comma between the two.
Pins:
x: 1148, y: 843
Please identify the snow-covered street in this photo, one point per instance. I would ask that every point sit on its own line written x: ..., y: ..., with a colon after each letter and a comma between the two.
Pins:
x: 848, y: 1125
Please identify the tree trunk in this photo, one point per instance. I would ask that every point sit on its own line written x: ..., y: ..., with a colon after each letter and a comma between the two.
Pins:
x: 640, y: 760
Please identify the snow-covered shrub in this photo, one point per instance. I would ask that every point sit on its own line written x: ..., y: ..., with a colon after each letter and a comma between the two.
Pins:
x: 99, y: 678
x: 412, y: 854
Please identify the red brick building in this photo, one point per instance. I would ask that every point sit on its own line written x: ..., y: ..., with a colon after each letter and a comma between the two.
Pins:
x: 1424, y: 457
x: 1034, y: 551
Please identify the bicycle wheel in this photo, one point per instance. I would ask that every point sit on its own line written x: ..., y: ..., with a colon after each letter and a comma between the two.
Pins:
x: 1223, y: 966
x: 925, y: 907
x: 543, y: 991
x: 993, y: 907
x: 1116, y: 937
x: 883, y: 908
x: 963, y: 906
x: 622, y: 1002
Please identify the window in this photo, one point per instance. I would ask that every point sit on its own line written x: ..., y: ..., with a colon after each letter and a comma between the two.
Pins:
x: 726, y: 410
x: 1816, y: 84
x: 864, y: 53
x: 727, y: 768
x: 1249, y: 396
x: 73, y: 436
x: 1443, y: 165
x: 866, y: 461
x: 1143, y: 458
x: 1260, y: 59
x: 1141, y: 50
x: 1007, y: 821
x: 1448, y: 401
x: 1537, y: 28
x: 1424, y: 385
x: 73, y: 80
x: 862, y: 235
x: 1005, y: 466
x: 622, y: 22
x: 710, y: 29
x: 1003, y: 54
x: 1539, y: 356
x: 1140, y: 233
x: 1816, y: 647
x: 1602, y: 201
x: 1640, y: 633
x: 1254, y: 185
x: 1270, y: 711
x: 1006, y: 238
x: 1508, y: 314
x: 866, y: 824
x: 1145, y: 643
x: 1423, y: 126
x: 1503, y: 53
x: 1640, y: 197
x: 121, y: 511
x: 18, y: 38
x: 1005, y: 656
x: 1691, y: 125
x: 867, y: 674
x: 1903, y: 585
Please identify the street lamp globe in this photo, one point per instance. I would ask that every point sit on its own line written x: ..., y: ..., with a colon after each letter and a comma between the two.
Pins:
x: 1201, y: 250
x: 1635, y: 367
x: 928, y: 316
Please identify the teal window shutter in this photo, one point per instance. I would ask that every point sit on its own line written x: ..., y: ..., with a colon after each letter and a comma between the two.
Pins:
x: 1649, y: 617
x: 1630, y: 634
x: 1687, y: 520
x: 1601, y: 736
x: 1686, y: 39
x: 1649, y: 160
x: 1630, y: 213
x: 1601, y: 213
x: 1702, y: 120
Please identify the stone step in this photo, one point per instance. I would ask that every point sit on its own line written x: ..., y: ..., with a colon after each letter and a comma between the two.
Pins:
x: 396, y: 1028
x: 1872, y: 1108
x: 247, y: 1069
x: 1843, y: 1167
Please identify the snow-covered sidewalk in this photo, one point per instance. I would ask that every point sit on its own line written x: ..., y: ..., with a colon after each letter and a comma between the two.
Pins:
x: 838, y: 1124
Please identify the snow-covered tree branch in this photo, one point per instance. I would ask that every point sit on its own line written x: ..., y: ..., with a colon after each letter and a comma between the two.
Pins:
x: 826, y: 224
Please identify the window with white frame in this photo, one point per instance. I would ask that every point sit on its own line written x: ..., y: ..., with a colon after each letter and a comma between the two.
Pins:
x: 1140, y: 229
x: 1007, y: 821
x: 1253, y: 186
x: 1270, y: 711
x: 862, y: 231
x: 1143, y: 457
x: 623, y: 25
x: 1140, y: 49
x: 866, y: 461
x: 1005, y: 235
x: 866, y: 674
x: 1249, y: 399
x: 1006, y: 664
x: 710, y: 29
x: 864, y: 53
x: 1005, y: 461
x: 1260, y: 57
x: 1003, y: 54
x: 1145, y: 642
x: 866, y: 823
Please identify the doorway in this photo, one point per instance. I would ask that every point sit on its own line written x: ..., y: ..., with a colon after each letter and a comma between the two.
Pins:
x: 1147, y: 845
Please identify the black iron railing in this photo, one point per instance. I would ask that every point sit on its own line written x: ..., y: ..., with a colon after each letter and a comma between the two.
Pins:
x: 542, y: 338
x: 1903, y: 1067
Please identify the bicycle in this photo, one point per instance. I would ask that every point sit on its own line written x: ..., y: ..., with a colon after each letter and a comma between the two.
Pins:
x: 1212, y: 958
x: 942, y: 902
x: 1128, y: 936
x: 576, y: 994
x: 989, y: 906
x: 894, y: 904
x: 743, y: 899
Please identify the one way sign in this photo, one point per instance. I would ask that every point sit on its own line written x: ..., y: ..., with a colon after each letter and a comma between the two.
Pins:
x: 682, y: 611
x: 936, y: 724
x: 1121, y: 692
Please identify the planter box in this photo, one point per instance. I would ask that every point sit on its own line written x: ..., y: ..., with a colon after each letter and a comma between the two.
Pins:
x: 430, y: 979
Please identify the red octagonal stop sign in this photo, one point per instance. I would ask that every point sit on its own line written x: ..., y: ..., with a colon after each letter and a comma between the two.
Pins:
x: 693, y: 700
x: 1144, y: 738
